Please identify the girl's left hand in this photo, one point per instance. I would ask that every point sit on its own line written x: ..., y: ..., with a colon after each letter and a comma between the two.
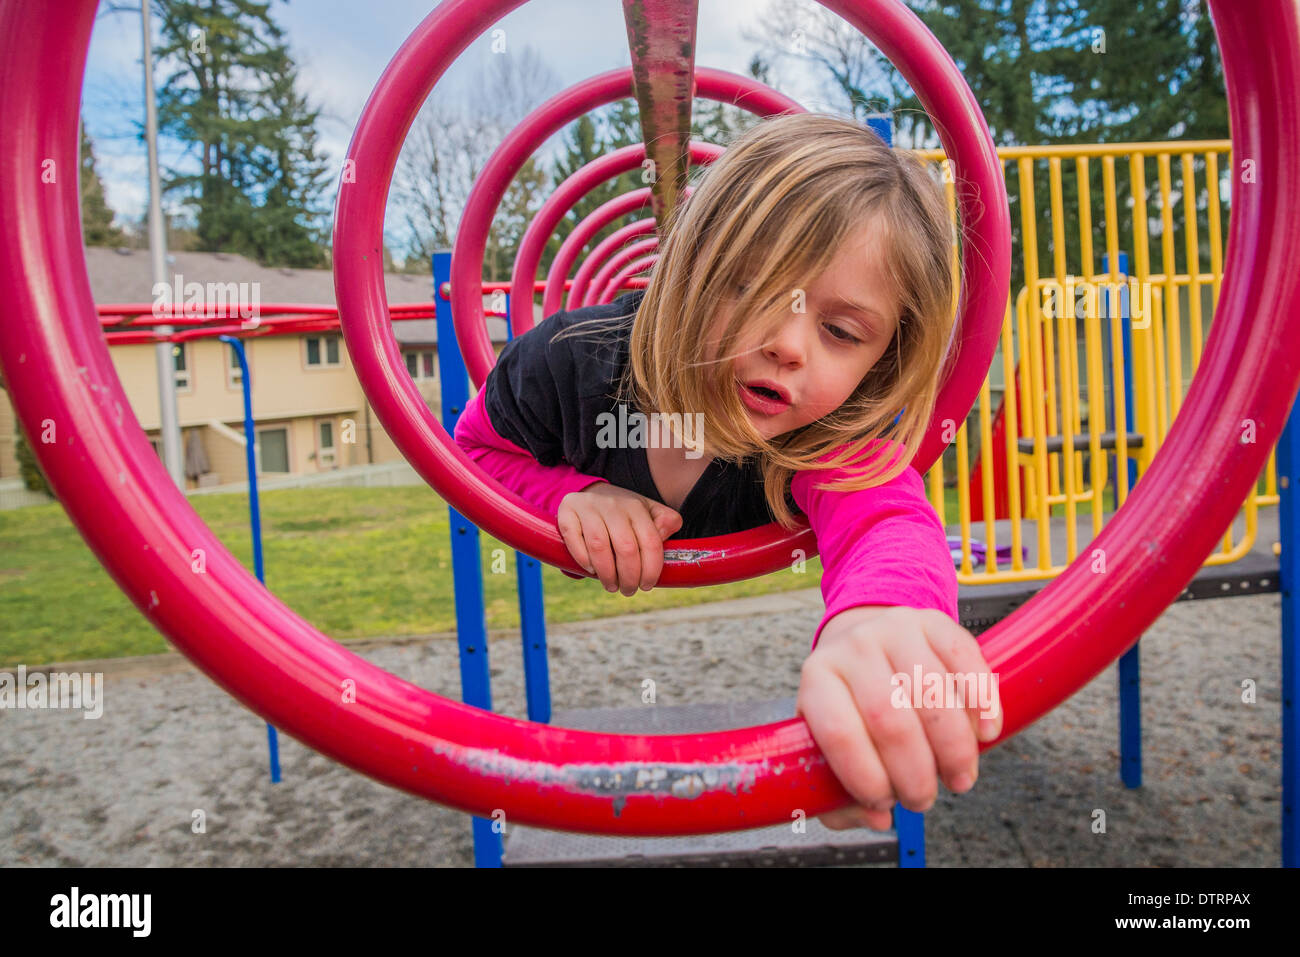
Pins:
x: 879, y: 750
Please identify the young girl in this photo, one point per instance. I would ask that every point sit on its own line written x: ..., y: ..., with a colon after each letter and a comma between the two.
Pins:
x: 802, y: 298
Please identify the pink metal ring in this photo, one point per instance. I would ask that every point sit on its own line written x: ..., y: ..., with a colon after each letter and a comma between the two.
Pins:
x: 59, y: 375
x: 581, y: 234
x: 411, y: 423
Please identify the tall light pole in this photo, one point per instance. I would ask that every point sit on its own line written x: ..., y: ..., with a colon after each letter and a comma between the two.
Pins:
x: 169, y: 425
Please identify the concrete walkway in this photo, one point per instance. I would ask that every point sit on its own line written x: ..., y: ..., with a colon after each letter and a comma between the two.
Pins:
x: 124, y: 789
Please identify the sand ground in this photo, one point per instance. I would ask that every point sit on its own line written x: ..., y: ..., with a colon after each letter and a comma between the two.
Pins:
x: 122, y: 790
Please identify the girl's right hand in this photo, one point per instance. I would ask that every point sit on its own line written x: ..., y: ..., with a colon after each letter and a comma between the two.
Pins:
x: 617, y: 535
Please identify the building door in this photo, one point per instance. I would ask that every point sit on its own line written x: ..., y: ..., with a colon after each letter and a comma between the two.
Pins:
x: 273, y: 450
x: 325, y: 455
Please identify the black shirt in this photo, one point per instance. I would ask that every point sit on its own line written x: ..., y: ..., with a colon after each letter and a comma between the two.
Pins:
x: 546, y: 397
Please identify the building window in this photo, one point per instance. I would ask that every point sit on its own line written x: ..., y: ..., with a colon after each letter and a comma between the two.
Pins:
x: 234, y: 372
x: 325, y: 453
x: 181, y: 365
x: 323, y: 351
x: 420, y: 364
x: 272, y: 450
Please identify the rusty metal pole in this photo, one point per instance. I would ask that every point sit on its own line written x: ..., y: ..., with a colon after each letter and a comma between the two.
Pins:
x: 661, y: 38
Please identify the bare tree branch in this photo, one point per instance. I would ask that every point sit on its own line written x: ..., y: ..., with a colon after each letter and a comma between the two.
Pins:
x: 449, y: 145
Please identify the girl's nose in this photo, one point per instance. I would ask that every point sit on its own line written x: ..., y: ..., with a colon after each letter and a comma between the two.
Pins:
x: 788, y: 347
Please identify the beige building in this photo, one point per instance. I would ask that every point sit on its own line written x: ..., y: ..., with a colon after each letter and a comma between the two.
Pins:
x: 310, y: 412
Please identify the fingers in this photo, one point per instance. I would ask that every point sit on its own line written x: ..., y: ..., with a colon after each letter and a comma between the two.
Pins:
x: 897, y: 733
x: 666, y: 520
x: 586, y: 529
x: 617, y: 538
x: 946, y: 723
x: 826, y: 703
x: 855, y: 815
x: 627, y: 550
x: 651, y: 546
x: 570, y: 526
x: 960, y: 652
x: 921, y: 690
x: 596, y: 541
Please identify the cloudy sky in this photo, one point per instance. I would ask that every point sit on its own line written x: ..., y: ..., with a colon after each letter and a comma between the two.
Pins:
x: 343, y: 47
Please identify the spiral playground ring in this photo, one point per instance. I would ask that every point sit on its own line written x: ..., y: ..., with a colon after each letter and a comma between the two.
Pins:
x: 62, y: 382
x: 407, y: 418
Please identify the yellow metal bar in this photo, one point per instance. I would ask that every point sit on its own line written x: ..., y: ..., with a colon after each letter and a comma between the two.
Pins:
x: 1037, y: 363
x: 987, y: 458
x: 1011, y: 431
x: 1065, y: 317
x: 1091, y: 149
x: 1142, y: 313
x: 1157, y: 371
x: 963, y: 494
x: 1024, y: 426
x: 1092, y: 347
x: 1191, y: 236
x: 1120, y: 403
x: 1171, y: 375
x: 1041, y: 358
x: 1216, y: 223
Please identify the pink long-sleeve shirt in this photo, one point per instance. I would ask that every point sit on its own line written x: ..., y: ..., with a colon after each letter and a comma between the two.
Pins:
x: 879, y: 546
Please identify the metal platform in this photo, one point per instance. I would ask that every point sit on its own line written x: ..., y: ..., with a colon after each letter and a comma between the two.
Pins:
x: 980, y: 607
x: 777, y: 845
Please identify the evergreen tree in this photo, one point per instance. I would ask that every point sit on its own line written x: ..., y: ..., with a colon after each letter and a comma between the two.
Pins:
x: 713, y: 121
x: 1062, y: 71
x: 592, y: 136
x: 97, y: 227
x: 1178, y: 91
x: 1047, y: 72
x: 1014, y: 54
x: 231, y: 97
x: 289, y: 231
x: 523, y: 198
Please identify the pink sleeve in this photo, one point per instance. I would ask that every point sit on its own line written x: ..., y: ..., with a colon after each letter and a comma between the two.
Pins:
x: 879, y: 546
x: 513, y: 467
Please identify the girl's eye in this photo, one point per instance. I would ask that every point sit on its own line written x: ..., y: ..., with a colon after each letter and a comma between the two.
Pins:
x: 841, y: 334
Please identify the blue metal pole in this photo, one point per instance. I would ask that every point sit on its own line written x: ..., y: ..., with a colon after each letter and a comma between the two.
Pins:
x: 1130, y: 663
x: 532, y: 632
x: 466, y: 556
x: 1288, y: 474
x: 532, y: 624
x: 1130, y: 669
x: 254, y: 512
x: 882, y: 124
x: 908, y: 825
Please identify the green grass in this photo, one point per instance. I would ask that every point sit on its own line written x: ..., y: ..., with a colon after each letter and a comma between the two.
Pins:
x: 354, y: 562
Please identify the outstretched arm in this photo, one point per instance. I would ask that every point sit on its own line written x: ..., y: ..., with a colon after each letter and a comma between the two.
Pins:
x: 879, y: 546
x: 515, y: 467
x: 891, y: 609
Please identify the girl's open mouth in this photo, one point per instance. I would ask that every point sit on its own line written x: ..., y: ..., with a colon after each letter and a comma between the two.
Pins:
x: 762, y: 399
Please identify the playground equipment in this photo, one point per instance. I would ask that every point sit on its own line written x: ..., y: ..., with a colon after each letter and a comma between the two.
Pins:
x: 57, y: 368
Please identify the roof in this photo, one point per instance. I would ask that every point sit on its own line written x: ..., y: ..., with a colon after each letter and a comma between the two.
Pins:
x: 125, y: 275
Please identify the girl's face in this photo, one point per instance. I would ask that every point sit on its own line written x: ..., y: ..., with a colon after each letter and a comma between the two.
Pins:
x: 815, y: 359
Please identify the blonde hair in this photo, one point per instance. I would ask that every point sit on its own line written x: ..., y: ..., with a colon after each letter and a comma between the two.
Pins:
x: 774, y: 211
